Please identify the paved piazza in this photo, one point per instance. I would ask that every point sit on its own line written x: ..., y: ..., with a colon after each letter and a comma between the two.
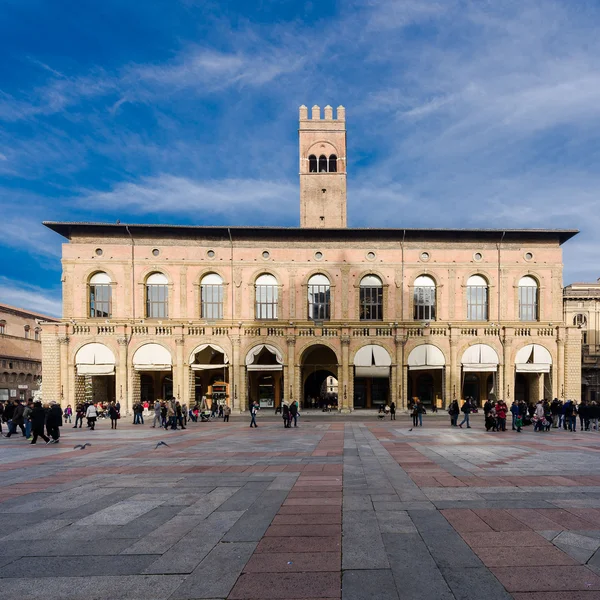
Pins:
x: 348, y: 508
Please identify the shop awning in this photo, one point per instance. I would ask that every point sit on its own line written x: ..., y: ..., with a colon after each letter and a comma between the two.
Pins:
x: 95, y: 359
x: 480, y: 358
x: 152, y: 357
x: 264, y: 367
x: 425, y: 357
x: 254, y: 353
x: 533, y: 358
x: 206, y: 351
x: 372, y: 361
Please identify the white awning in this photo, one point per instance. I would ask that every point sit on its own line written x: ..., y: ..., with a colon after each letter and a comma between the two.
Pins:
x: 264, y: 367
x: 533, y: 358
x: 480, y: 358
x: 372, y: 356
x: 198, y: 367
x: 214, y: 350
x: 425, y: 357
x: 95, y: 359
x: 254, y: 352
x: 152, y: 357
x: 381, y: 372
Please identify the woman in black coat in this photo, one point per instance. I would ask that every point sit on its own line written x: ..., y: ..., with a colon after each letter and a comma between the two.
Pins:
x: 38, y: 420
x: 54, y: 421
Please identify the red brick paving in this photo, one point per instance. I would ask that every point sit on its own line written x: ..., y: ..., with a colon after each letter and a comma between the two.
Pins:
x: 529, y: 556
x: 536, y: 579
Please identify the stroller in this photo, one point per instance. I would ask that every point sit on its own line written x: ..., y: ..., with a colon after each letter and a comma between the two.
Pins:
x: 205, y: 416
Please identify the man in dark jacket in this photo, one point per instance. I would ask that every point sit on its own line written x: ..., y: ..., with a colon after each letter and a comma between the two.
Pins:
x: 54, y: 421
x: 17, y: 419
x: 294, y: 413
x: 38, y: 420
x: 467, y: 408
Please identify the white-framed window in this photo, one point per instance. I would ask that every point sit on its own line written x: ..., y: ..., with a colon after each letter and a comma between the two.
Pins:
x: 477, y: 298
x: 319, y: 298
x: 37, y: 333
x: 157, y: 296
x: 580, y: 320
x: 371, y: 298
x: 528, y: 299
x: 2, y: 327
x: 266, y: 297
x: 27, y: 329
x: 424, y: 299
x: 211, y: 297
x: 100, y: 296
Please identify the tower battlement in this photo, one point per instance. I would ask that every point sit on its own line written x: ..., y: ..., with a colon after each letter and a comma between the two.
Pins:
x: 327, y: 113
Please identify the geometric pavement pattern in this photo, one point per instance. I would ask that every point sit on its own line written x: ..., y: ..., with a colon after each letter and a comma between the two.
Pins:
x: 341, y: 507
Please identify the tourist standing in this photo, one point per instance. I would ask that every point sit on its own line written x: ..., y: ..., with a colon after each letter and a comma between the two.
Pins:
x: 226, y: 413
x: 68, y: 414
x: 294, y: 413
x: 253, y: 412
x: 392, y: 411
x: 114, y: 415
x: 27, y: 418
x: 79, y: 414
x: 415, y: 412
x: 501, y: 412
x: 91, y: 414
x: 285, y: 414
x: 454, y: 411
x: 570, y: 415
x: 179, y: 414
x: 467, y: 408
x: 420, y: 412
x: 157, y: 418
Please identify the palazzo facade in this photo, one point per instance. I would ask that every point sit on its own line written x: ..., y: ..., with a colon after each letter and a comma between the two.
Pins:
x: 237, y: 314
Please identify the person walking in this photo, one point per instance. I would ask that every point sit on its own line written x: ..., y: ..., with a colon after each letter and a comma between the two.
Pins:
x: 539, y: 416
x: 179, y: 415
x: 68, y: 414
x: 27, y: 418
x: 91, y: 414
x: 253, y: 412
x: 17, y: 419
x: 415, y: 412
x: 570, y: 415
x: 514, y: 411
x: 157, y: 417
x: 54, y: 421
x: 467, y: 408
x: 285, y: 415
x: 420, y: 412
x: 226, y: 413
x: 38, y: 420
x: 114, y: 415
x: 1, y: 416
x: 392, y: 411
x: 294, y: 413
x: 454, y: 411
x: 79, y: 414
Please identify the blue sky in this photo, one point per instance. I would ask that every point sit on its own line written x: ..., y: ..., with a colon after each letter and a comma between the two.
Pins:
x: 474, y: 114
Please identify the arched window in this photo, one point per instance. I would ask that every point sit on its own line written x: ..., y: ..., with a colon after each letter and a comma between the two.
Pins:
x: 322, y: 164
x: 27, y: 329
x: 37, y: 334
x: 100, y: 296
x: 477, y: 298
x: 580, y: 320
x: 424, y: 299
x: 157, y: 296
x: 528, y: 299
x: 211, y: 297
x: 312, y: 164
x: 333, y: 163
x: 2, y: 327
x: 319, y: 298
x: 371, y: 298
x: 267, y: 294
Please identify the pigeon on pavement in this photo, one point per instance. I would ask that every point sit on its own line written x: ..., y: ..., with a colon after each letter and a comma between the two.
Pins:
x: 161, y: 444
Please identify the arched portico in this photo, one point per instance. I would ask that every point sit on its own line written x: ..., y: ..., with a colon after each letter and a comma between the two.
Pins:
x: 533, y: 373
x: 319, y: 376
x: 426, y: 375
x: 479, y: 380
x: 95, y: 373
x: 372, y: 366
x: 264, y: 366
x: 153, y: 372
x: 209, y: 366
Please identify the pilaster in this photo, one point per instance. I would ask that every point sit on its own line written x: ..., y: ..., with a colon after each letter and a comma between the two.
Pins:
x: 64, y: 371
x: 345, y: 386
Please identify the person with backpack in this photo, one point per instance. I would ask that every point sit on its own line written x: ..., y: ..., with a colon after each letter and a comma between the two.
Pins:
x: 114, y: 415
x: 68, y: 414
x: 285, y: 415
x: 91, y: 414
x: 454, y: 411
x: 466, y: 409
x: 294, y: 413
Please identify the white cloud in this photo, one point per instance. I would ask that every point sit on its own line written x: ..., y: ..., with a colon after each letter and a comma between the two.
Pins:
x: 32, y: 297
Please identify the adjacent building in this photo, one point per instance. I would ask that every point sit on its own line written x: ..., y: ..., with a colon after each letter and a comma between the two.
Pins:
x: 582, y: 310
x: 242, y: 314
x: 20, y: 352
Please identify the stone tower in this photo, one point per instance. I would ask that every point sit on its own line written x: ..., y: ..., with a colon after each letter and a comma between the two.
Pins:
x: 322, y: 168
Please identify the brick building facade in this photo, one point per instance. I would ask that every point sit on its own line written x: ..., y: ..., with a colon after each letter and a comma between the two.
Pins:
x: 239, y: 314
x: 20, y: 352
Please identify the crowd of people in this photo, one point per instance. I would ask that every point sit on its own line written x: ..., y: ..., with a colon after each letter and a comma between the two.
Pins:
x: 34, y: 419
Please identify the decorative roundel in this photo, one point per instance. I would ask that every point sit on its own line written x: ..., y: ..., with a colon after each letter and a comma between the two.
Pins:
x: 371, y: 256
x: 266, y: 255
x: 477, y: 256
x: 99, y: 252
x: 318, y: 255
x: 210, y: 254
x: 155, y: 252
x: 424, y: 256
x: 528, y: 256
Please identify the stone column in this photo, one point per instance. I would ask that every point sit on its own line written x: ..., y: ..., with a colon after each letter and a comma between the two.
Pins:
x: 236, y: 383
x: 345, y: 387
x: 558, y: 379
x: 65, y: 393
x: 404, y: 398
x: 453, y: 372
x: 396, y: 374
x: 178, y: 384
x: 508, y: 370
x: 121, y: 392
x: 290, y: 377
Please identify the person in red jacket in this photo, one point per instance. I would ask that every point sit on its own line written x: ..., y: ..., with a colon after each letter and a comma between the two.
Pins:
x: 501, y: 412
